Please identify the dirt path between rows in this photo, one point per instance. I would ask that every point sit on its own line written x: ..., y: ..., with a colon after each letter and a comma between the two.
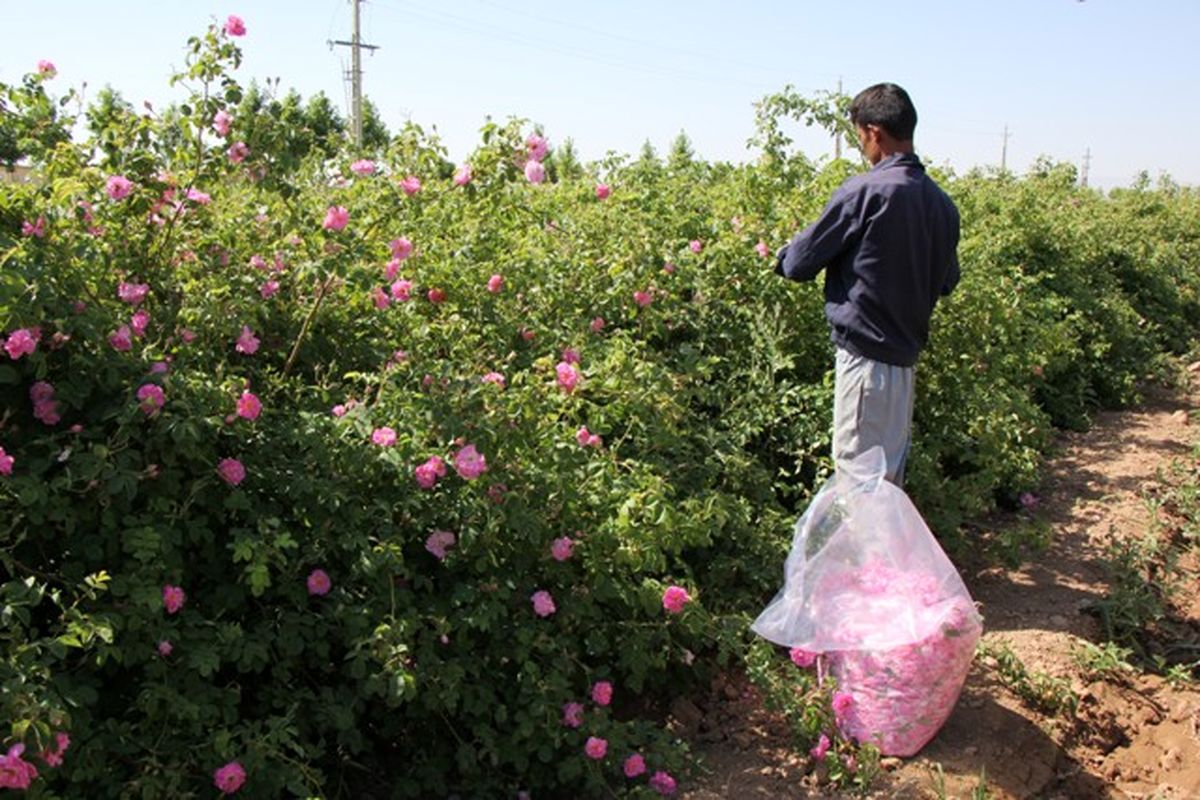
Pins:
x: 1133, y: 735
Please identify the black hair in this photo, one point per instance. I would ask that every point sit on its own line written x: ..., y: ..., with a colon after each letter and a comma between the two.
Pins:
x: 888, y: 106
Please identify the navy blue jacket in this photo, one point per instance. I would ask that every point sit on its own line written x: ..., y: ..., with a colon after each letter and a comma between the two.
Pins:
x: 888, y: 243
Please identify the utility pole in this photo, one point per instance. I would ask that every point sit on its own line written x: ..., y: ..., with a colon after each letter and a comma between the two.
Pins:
x: 1087, y: 162
x: 1004, y: 150
x: 356, y: 46
x: 837, y: 133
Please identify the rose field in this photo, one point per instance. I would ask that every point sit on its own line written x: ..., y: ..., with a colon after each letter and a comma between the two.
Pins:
x: 365, y: 473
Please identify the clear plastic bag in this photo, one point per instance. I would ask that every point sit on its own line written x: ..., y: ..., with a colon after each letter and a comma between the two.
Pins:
x: 867, y: 586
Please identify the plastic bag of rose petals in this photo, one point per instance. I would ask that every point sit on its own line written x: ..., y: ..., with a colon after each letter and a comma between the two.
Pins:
x: 867, y: 586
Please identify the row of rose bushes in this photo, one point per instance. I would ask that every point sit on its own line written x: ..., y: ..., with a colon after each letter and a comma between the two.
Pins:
x: 393, y: 476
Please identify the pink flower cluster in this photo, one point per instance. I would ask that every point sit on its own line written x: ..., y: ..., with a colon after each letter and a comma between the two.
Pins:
x: 45, y: 407
x: 427, y: 474
x: 22, y: 342
x: 586, y: 438
x: 15, y: 772
x: 234, y: 26
x: 36, y: 229
x: 6, y: 462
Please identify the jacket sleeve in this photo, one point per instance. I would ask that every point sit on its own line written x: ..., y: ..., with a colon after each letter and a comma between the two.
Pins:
x: 822, y: 242
x: 952, y: 270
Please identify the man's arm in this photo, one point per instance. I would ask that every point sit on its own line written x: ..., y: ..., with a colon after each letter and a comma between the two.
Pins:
x: 952, y: 273
x: 823, y: 241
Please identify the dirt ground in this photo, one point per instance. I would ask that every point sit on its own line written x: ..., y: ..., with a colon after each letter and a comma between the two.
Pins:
x: 1133, y: 735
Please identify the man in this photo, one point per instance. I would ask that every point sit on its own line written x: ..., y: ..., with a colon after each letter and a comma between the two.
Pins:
x: 887, y: 241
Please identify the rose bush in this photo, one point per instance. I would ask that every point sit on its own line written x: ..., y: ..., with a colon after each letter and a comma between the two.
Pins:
x: 358, y: 475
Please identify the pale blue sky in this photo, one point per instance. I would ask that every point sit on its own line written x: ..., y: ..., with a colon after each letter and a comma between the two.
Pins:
x: 1110, y: 75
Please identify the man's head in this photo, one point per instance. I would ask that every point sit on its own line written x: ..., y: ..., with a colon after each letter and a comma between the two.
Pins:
x: 885, y: 118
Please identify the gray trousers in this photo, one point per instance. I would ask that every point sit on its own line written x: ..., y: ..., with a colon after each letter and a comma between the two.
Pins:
x: 872, y: 405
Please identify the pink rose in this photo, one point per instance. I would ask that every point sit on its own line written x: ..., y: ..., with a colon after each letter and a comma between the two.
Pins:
x: 235, y: 27
x: 436, y: 295
x: 363, y: 167
x: 237, y: 152
x: 643, y: 299
x: 336, y: 218
x: 675, y: 598
x: 572, y: 716
x: 570, y: 355
x: 634, y: 765
x: 663, y: 783
x: 535, y: 173
x: 47, y: 68
x: 543, y: 603
x: 762, y: 249
x: 151, y: 399
x: 249, y: 406
x: 121, y: 340
x: 586, y: 438
x: 595, y: 747
x: 247, y: 342
x: 695, y: 245
x: 602, y: 692
x: 268, y: 289
x: 603, y: 191
x: 428, y: 473
x: 36, y: 229
x: 6, y: 462
x: 469, y: 463
x: 821, y: 748
x: 384, y: 437
x: 401, y: 290
x: 222, y: 122
x: 16, y: 773
x: 118, y: 187
x: 231, y: 471
x: 463, y: 176
x: 562, y: 548
x: 401, y: 248
x: 198, y: 197
x: 597, y: 325
x: 567, y: 376
x: 173, y: 598
x: 669, y: 268
x: 139, y: 321
x: 494, y: 377
x: 495, y: 283
x: 411, y: 185
x: 438, y: 542
x: 537, y: 147
x: 318, y: 583
x: 842, y: 703
x: 230, y: 777
x: 21, y: 342
x: 802, y: 658
x: 165, y: 648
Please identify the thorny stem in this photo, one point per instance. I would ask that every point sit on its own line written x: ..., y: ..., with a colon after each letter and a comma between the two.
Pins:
x: 308, y: 322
